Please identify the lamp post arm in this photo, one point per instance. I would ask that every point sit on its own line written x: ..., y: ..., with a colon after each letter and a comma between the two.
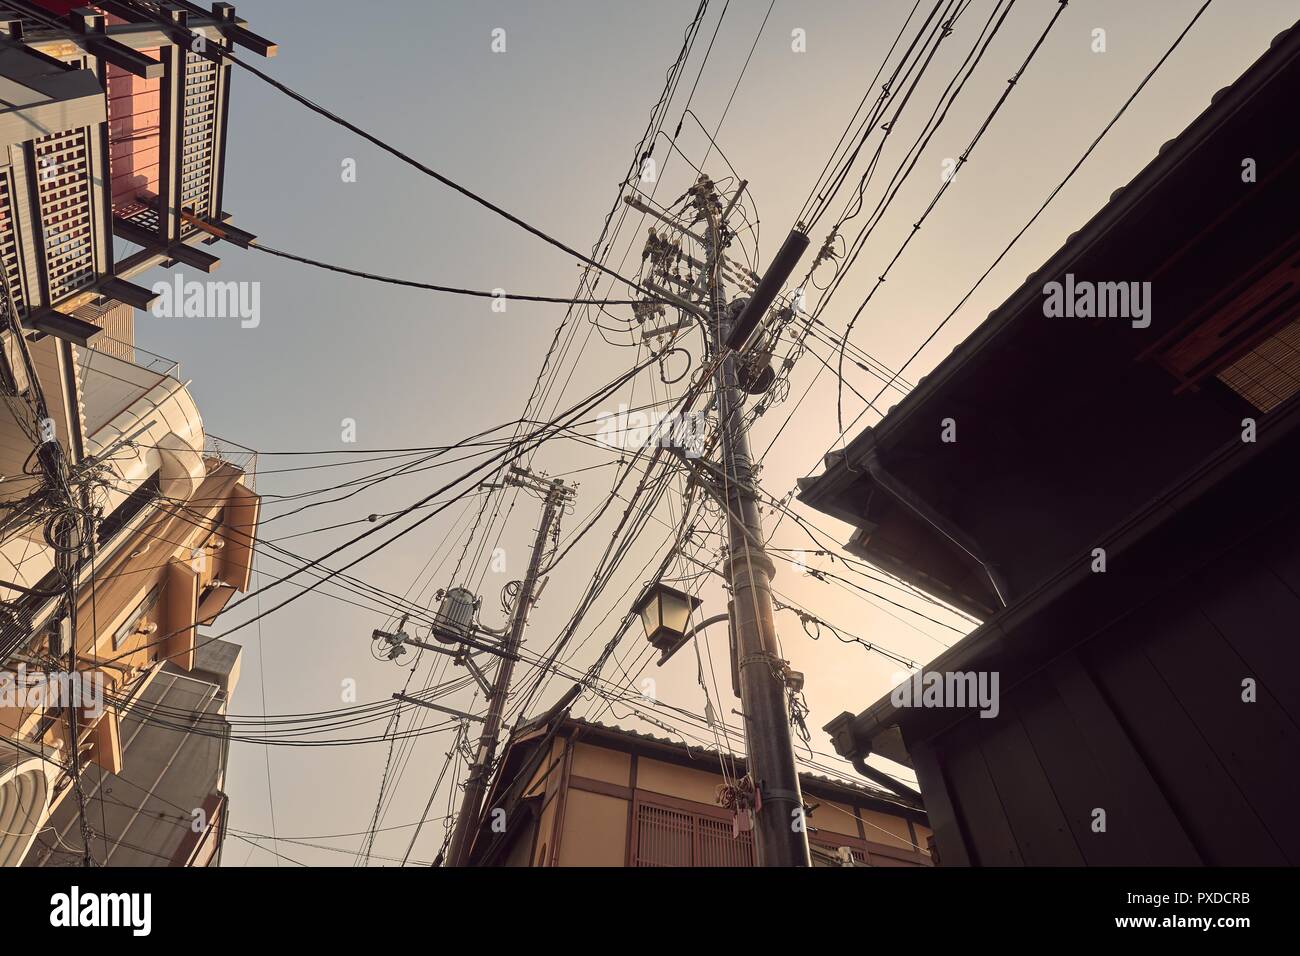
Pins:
x: 707, y: 622
x: 682, y: 641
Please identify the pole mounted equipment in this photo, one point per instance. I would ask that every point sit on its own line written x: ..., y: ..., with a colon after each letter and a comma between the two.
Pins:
x: 769, y: 287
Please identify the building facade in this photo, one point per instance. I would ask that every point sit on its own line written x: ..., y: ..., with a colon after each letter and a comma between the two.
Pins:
x: 176, y: 518
x: 112, y: 150
x: 165, y: 805
x: 1119, y: 508
x: 574, y: 793
x: 124, y: 526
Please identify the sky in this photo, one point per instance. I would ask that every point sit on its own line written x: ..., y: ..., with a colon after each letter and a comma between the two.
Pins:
x: 546, y: 128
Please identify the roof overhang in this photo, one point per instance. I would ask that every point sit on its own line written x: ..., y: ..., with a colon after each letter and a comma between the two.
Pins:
x: 1244, y: 487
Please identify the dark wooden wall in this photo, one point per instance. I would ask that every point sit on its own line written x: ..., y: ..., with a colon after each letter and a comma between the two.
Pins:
x: 1145, y: 721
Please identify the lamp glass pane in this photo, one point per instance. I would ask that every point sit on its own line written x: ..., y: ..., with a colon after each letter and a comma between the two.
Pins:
x: 650, y: 617
x: 676, y: 612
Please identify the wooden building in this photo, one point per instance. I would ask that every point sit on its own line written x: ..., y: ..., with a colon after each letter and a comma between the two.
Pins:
x: 1120, y: 509
x: 573, y: 793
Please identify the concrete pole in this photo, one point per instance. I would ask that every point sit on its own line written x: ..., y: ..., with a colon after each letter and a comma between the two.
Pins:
x: 780, y: 834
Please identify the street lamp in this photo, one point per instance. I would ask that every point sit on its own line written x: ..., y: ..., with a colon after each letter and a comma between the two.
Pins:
x: 665, y: 614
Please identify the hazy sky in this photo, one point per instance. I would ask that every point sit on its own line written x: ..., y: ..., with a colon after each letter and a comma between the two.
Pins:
x: 547, y: 129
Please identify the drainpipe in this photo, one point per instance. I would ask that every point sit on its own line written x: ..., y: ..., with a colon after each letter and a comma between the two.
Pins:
x: 885, y: 780
x: 848, y: 744
x: 935, y: 520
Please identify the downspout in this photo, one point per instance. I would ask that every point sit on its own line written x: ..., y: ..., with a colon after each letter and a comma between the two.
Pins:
x: 935, y: 520
x: 849, y: 745
x: 860, y: 764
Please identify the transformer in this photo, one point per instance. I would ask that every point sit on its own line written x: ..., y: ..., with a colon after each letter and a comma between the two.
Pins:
x: 454, y: 619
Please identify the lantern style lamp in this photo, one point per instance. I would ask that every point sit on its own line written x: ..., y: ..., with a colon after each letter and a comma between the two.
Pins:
x: 665, y: 614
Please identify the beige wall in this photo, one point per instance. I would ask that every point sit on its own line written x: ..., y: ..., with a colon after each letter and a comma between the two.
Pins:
x: 923, y: 834
x: 891, y: 831
x: 594, y: 825
x: 549, y: 788
x: 683, y: 782
x: 599, y: 763
x: 835, y: 817
x: 595, y: 830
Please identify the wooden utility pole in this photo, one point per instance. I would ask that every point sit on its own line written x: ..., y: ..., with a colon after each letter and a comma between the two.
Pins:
x: 467, y: 820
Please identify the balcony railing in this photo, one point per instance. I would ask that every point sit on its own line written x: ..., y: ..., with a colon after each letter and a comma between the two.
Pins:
x: 143, y: 358
x: 114, y: 375
x: 233, y: 453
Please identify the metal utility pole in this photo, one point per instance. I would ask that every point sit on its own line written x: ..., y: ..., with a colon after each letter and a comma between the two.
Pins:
x: 556, y: 495
x: 781, y: 837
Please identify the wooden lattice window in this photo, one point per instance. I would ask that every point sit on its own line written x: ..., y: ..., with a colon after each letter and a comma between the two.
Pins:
x: 667, y: 836
x: 1246, y: 337
x: 831, y: 846
x: 1268, y: 374
x: 198, y: 137
x: 717, y: 846
x: 10, y: 267
x: 63, y: 187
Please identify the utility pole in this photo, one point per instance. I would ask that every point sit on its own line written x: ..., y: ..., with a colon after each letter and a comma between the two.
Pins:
x: 780, y: 832
x: 556, y: 496
x: 64, y: 533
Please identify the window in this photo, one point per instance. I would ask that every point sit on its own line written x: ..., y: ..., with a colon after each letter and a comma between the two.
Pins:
x: 1268, y: 374
x: 830, y: 847
x: 719, y: 848
x: 132, y: 623
x: 1249, y: 337
x: 131, y: 506
x: 681, y: 835
x: 671, y: 837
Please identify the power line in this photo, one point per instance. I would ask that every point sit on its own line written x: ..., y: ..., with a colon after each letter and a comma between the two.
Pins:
x: 948, y: 181
x: 1034, y: 218
x: 216, y: 53
x: 538, y: 436
x: 430, y: 287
